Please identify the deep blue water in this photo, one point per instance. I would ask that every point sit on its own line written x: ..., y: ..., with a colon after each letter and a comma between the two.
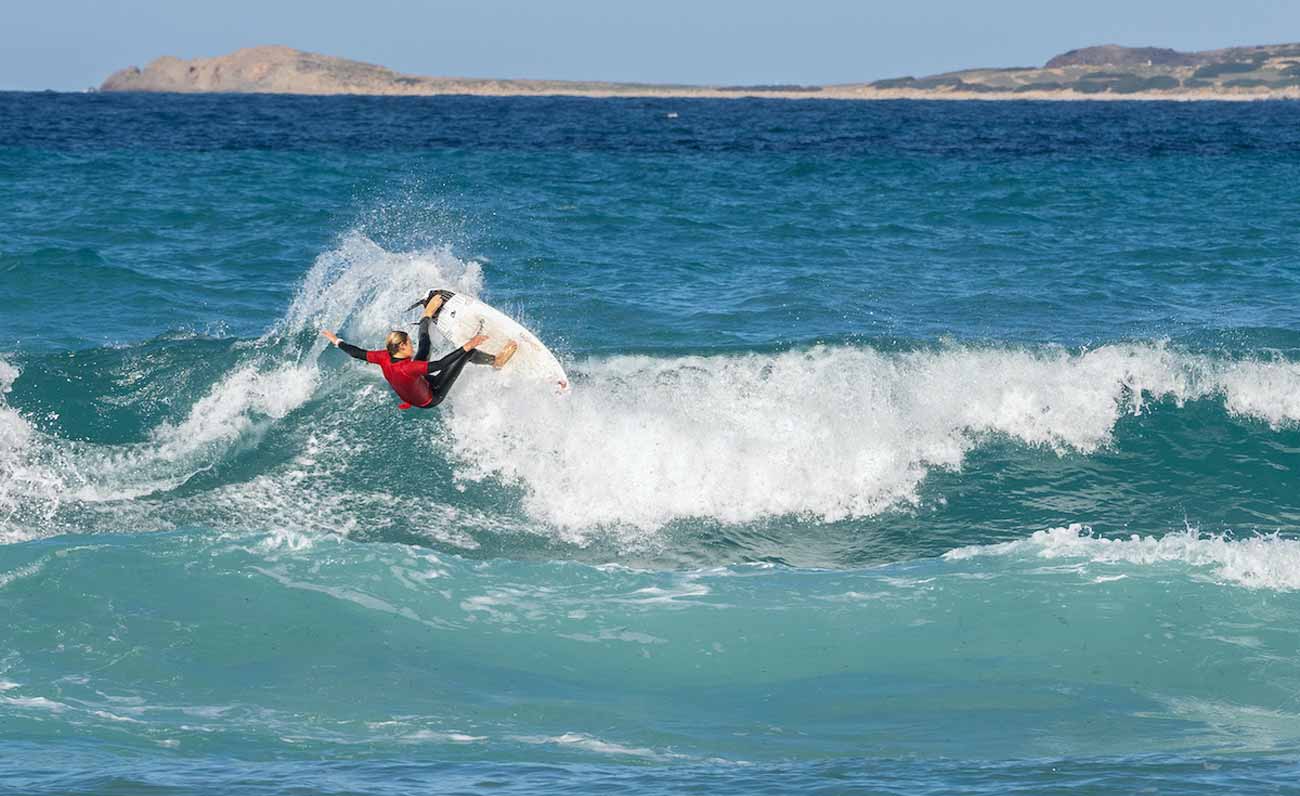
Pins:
x: 913, y: 447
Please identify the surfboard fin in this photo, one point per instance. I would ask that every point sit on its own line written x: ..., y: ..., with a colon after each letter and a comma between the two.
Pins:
x: 446, y: 295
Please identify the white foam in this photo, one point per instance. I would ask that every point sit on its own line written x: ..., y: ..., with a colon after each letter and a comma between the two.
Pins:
x: 20, y: 473
x: 357, y: 287
x: 678, y: 594
x: 1243, y: 726
x: 104, y: 714
x: 230, y: 408
x: 40, y: 473
x: 351, y: 595
x: 34, y: 703
x: 21, y: 572
x: 830, y: 433
x: 1263, y: 390
x: 8, y: 375
x: 589, y: 743
x: 426, y: 736
x: 1258, y: 562
x: 614, y: 634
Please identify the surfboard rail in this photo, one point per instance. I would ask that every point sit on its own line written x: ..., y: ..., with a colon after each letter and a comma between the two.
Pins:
x: 462, y: 317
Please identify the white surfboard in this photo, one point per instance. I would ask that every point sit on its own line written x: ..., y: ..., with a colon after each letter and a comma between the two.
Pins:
x: 462, y: 317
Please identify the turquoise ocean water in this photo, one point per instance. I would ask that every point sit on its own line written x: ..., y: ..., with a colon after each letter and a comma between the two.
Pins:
x: 912, y: 448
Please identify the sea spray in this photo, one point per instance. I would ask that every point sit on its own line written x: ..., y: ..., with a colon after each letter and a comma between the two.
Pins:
x: 51, y: 480
x: 834, y: 432
x: 359, y: 289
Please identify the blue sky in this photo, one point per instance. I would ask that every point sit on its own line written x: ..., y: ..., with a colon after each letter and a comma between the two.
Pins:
x: 72, y: 44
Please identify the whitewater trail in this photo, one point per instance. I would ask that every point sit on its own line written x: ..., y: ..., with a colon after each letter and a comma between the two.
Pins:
x: 829, y: 432
x: 1259, y: 562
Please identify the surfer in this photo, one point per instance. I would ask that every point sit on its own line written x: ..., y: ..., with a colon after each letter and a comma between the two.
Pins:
x: 416, y: 380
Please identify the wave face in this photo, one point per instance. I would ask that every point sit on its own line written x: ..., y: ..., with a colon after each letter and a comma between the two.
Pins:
x: 913, y: 447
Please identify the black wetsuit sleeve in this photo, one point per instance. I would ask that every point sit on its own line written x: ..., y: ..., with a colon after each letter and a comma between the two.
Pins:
x: 422, y: 352
x: 353, y: 351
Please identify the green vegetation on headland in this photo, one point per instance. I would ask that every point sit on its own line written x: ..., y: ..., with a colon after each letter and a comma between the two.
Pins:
x: 1109, y: 71
x: 1271, y: 70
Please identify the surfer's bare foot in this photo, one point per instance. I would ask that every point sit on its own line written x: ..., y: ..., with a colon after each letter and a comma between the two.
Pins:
x: 475, y: 341
x: 433, y: 305
x: 505, y: 355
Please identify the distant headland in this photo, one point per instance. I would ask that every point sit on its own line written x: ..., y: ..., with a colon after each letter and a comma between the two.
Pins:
x: 1105, y: 72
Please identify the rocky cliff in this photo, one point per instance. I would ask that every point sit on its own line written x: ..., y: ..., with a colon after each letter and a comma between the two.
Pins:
x: 284, y: 70
x: 1110, y: 71
x: 1104, y: 72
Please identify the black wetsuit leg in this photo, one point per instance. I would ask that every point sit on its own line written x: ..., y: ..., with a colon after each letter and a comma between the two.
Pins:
x: 444, y: 372
x: 422, y: 353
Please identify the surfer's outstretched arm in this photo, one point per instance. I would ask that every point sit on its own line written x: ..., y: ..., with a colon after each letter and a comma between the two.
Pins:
x: 356, y: 352
x: 353, y: 351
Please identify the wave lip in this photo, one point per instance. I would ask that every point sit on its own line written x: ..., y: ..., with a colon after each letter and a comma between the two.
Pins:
x: 829, y: 433
x: 1260, y: 562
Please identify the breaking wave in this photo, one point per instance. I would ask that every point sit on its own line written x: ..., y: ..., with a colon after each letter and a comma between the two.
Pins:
x: 825, y: 433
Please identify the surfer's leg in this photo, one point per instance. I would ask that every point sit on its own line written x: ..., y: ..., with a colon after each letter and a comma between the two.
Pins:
x: 444, y: 372
x: 484, y: 358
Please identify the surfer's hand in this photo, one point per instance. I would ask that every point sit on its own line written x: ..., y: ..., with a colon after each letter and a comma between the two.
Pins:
x: 328, y: 335
x: 433, y: 305
x: 475, y: 342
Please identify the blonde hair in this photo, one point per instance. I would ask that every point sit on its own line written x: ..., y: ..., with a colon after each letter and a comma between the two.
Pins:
x: 395, y: 341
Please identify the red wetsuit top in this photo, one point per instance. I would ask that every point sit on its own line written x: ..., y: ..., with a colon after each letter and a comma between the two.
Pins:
x: 406, y: 377
x: 417, y: 381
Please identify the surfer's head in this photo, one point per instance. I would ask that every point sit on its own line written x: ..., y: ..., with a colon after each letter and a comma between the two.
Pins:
x: 399, y: 345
